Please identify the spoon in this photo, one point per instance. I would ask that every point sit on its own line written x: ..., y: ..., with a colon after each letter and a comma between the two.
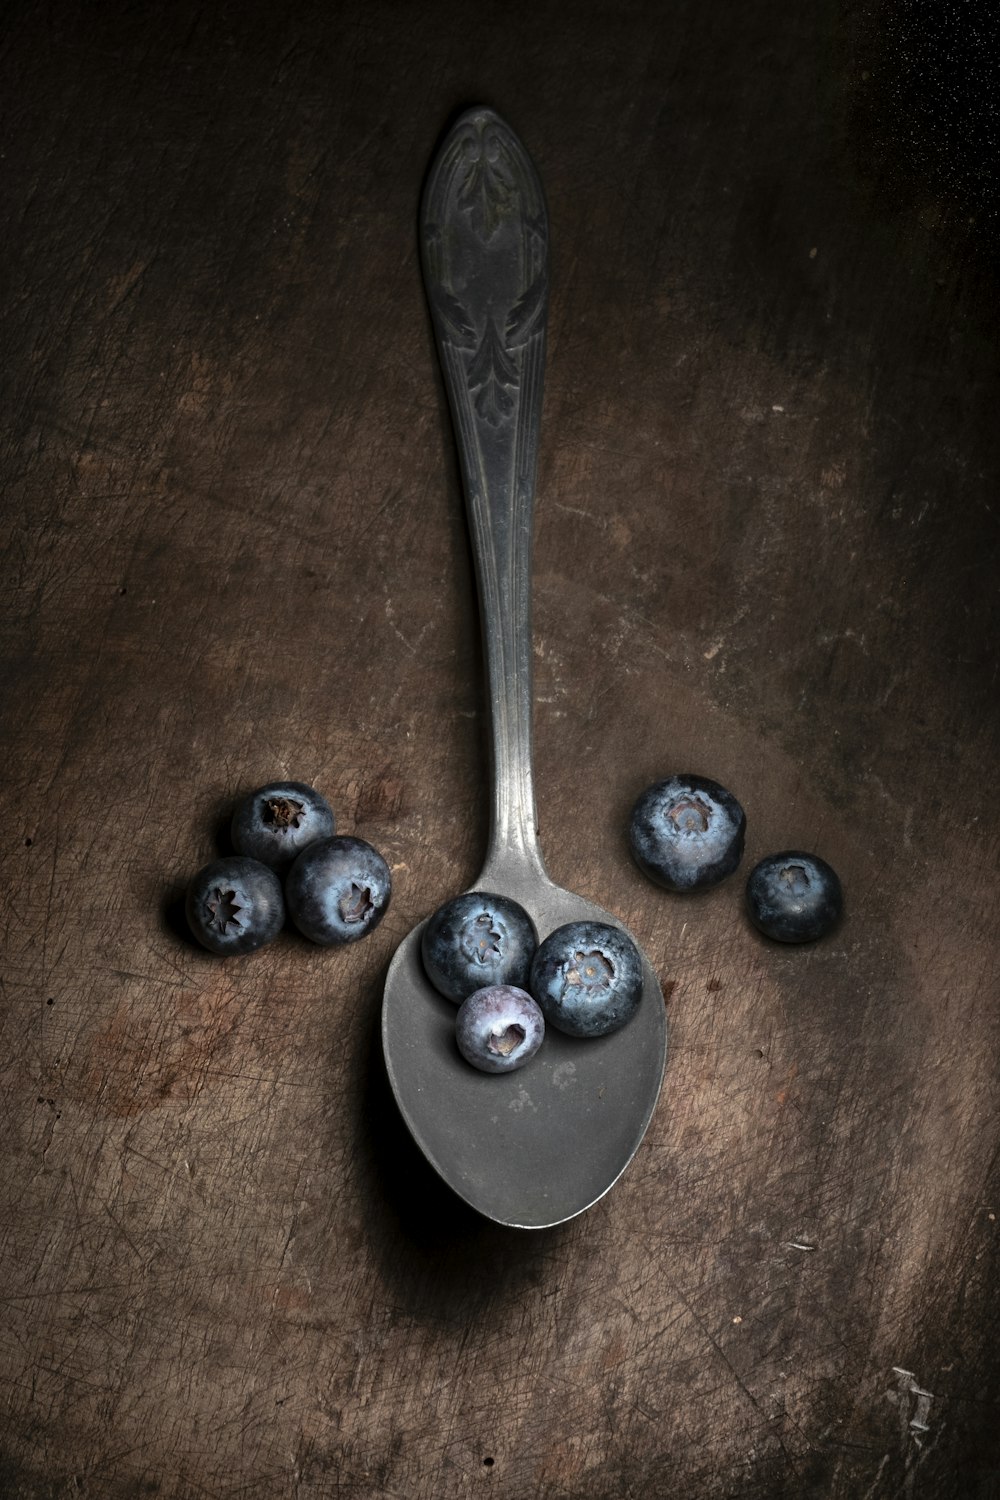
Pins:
x: 537, y: 1146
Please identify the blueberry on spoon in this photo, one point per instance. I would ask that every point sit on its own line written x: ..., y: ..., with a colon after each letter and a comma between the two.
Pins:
x: 476, y: 940
x: 499, y: 1029
x: 587, y: 978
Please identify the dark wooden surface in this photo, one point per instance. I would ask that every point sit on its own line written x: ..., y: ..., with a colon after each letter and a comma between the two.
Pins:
x: 234, y: 549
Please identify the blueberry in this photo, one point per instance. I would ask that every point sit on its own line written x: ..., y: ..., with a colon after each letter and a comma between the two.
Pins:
x: 338, y: 890
x: 477, y: 940
x: 587, y: 978
x: 686, y: 833
x: 499, y: 1029
x: 276, y: 822
x: 794, y: 897
x: 235, y: 905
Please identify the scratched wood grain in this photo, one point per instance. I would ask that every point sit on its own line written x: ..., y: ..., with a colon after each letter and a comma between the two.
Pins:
x: 234, y: 548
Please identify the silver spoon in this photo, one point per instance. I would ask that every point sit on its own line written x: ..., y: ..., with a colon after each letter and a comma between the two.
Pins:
x: 534, y: 1147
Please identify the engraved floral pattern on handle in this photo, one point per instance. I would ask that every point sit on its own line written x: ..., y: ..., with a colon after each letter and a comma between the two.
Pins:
x: 490, y: 180
x: 492, y: 375
x: 483, y: 178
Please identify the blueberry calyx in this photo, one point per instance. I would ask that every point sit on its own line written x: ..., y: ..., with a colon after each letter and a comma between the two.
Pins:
x: 507, y: 1042
x: 223, y: 909
x: 356, y: 905
x: 482, y: 939
x: 590, y: 971
x: 690, y: 815
x: 283, y: 812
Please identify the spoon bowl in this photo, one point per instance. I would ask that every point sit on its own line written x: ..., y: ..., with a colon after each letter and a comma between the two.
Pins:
x: 537, y: 1146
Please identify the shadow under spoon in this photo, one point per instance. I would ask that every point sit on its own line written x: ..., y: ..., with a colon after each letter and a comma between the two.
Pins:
x: 537, y: 1146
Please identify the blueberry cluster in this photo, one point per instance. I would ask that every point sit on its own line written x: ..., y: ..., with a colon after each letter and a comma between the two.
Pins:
x: 687, y: 834
x: 481, y: 951
x: 288, y: 859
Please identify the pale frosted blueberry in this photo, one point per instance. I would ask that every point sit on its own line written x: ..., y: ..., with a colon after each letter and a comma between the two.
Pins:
x: 499, y: 1029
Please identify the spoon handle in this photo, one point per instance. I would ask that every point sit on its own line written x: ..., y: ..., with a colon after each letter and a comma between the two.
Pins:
x: 484, y: 241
